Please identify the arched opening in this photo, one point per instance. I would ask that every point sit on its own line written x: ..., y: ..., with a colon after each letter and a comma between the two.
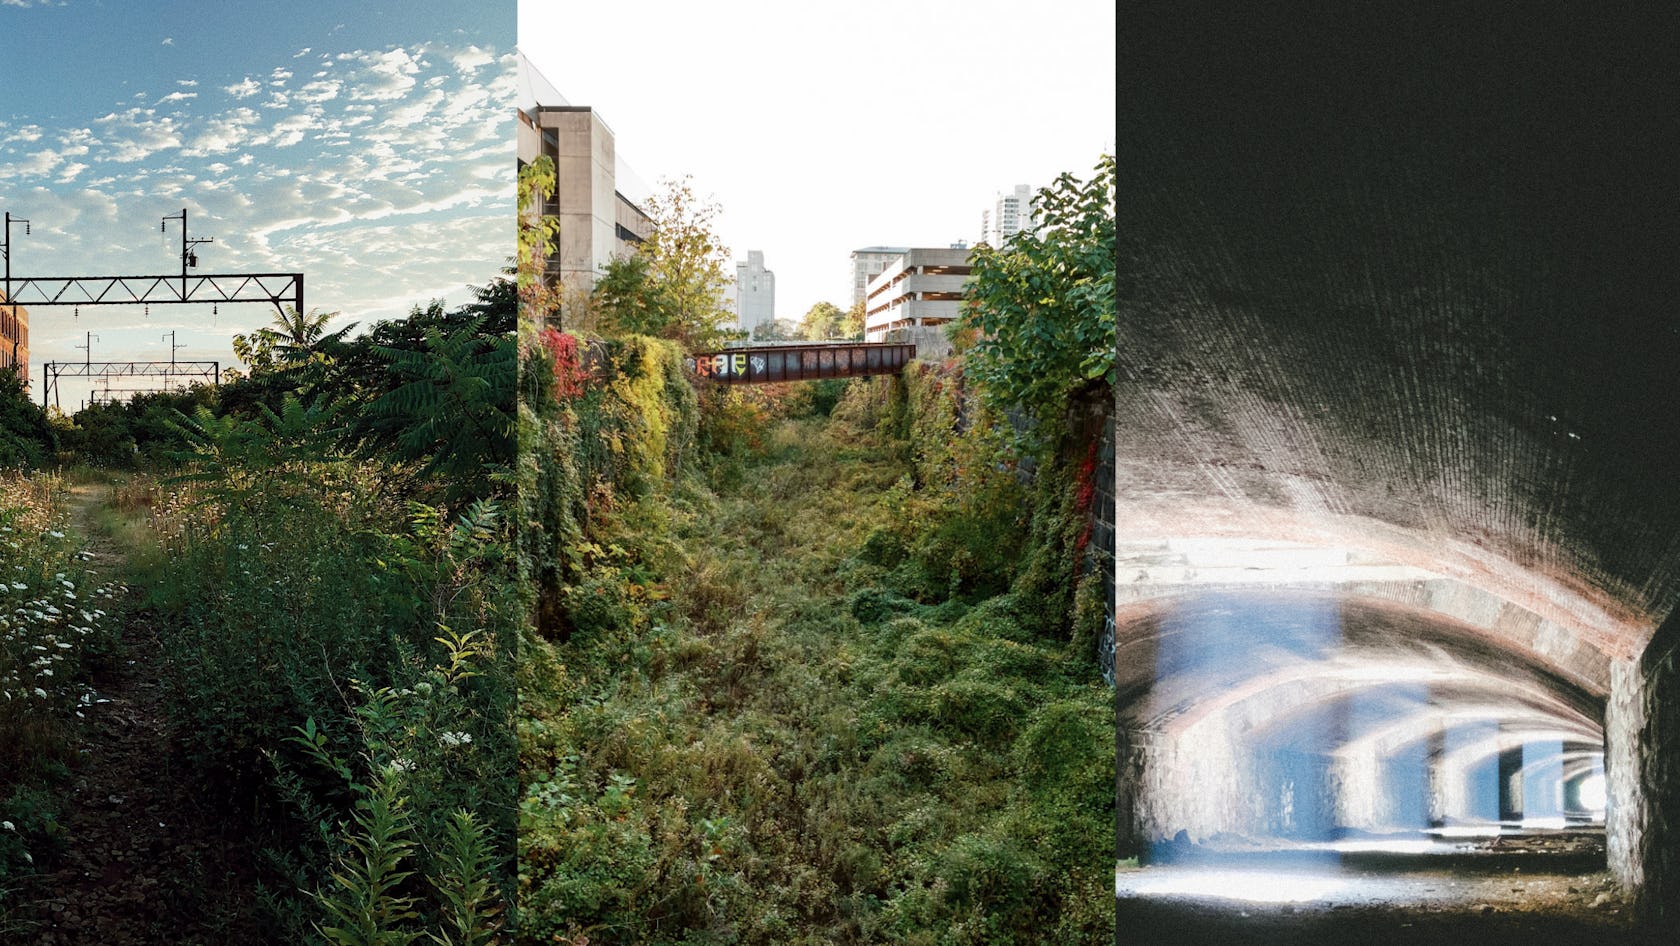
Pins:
x: 1357, y: 717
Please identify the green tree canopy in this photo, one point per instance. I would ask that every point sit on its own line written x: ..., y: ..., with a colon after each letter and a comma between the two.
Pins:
x: 291, y: 341
x: 1041, y: 308
x: 852, y: 325
x: 675, y: 286
x: 823, y: 320
x: 26, y: 438
x: 627, y: 301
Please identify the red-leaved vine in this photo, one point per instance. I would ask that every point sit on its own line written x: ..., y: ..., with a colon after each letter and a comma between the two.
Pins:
x: 568, y: 366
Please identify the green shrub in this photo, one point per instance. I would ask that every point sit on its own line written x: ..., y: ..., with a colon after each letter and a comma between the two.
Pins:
x: 883, y: 547
x: 314, y: 588
x: 874, y: 605
x: 600, y: 605
x: 986, y: 711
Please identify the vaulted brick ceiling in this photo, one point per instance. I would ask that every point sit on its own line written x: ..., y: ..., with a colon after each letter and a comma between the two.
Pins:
x: 1407, y: 287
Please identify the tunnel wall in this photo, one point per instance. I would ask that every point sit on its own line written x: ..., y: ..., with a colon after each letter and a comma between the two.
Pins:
x: 1655, y: 845
x: 1624, y: 817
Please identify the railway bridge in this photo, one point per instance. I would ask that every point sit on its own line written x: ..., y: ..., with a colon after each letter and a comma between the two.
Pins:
x: 768, y: 364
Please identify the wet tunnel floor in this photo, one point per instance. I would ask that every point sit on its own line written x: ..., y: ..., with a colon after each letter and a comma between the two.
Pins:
x: 1548, y: 888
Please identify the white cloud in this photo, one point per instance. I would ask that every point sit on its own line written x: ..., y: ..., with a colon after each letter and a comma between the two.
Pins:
x: 28, y: 133
x: 319, y: 91
x: 34, y: 165
x: 169, y: 41
x: 75, y: 142
x: 178, y: 97
x: 71, y: 172
x: 385, y: 76
x: 138, y: 134
x: 223, y: 133
x: 471, y: 59
x: 243, y: 90
x: 189, y: 83
x: 286, y: 132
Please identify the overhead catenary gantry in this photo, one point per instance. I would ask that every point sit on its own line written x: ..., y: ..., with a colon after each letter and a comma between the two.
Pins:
x: 207, y: 372
x: 277, y: 289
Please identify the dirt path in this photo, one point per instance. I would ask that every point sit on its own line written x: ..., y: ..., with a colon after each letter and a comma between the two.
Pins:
x: 143, y: 861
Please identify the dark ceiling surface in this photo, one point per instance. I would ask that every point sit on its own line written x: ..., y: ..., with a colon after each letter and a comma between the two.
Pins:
x: 1413, y: 266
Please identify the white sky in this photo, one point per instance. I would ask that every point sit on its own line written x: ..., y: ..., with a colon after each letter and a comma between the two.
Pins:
x: 823, y: 128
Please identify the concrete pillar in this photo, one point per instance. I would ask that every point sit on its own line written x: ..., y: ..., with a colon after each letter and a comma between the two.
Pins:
x: 1624, y: 814
x: 1510, y: 783
x: 1437, y: 777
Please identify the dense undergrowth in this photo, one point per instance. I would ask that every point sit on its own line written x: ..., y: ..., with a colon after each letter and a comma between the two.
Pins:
x: 324, y: 639
x: 56, y: 627
x: 326, y: 551
x: 813, y: 666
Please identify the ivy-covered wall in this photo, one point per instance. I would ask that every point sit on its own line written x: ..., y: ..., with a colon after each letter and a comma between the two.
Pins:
x: 598, y: 423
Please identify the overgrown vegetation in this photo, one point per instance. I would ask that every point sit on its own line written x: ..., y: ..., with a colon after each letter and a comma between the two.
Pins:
x: 817, y: 704
x: 811, y: 664
x: 56, y: 626
x: 326, y: 547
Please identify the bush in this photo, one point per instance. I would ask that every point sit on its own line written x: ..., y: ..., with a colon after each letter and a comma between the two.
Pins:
x: 56, y: 628
x: 27, y: 440
x: 316, y: 604
x: 874, y: 605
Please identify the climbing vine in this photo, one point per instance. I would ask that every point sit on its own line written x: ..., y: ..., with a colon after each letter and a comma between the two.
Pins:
x: 569, y: 376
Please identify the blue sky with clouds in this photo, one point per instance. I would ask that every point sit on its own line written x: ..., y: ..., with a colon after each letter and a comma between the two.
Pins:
x: 368, y: 145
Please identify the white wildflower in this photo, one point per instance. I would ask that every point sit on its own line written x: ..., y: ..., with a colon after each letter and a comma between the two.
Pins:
x: 455, y: 738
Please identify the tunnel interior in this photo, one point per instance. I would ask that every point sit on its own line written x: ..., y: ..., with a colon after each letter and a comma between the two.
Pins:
x: 1278, y: 719
x: 1397, y: 433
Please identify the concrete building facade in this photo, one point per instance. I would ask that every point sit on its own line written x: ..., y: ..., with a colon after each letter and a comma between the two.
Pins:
x: 1009, y: 214
x: 755, y: 293
x: 598, y: 219
x: 921, y: 288
x: 868, y: 262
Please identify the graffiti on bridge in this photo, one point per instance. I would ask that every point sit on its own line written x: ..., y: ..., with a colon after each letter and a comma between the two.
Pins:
x: 799, y: 362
